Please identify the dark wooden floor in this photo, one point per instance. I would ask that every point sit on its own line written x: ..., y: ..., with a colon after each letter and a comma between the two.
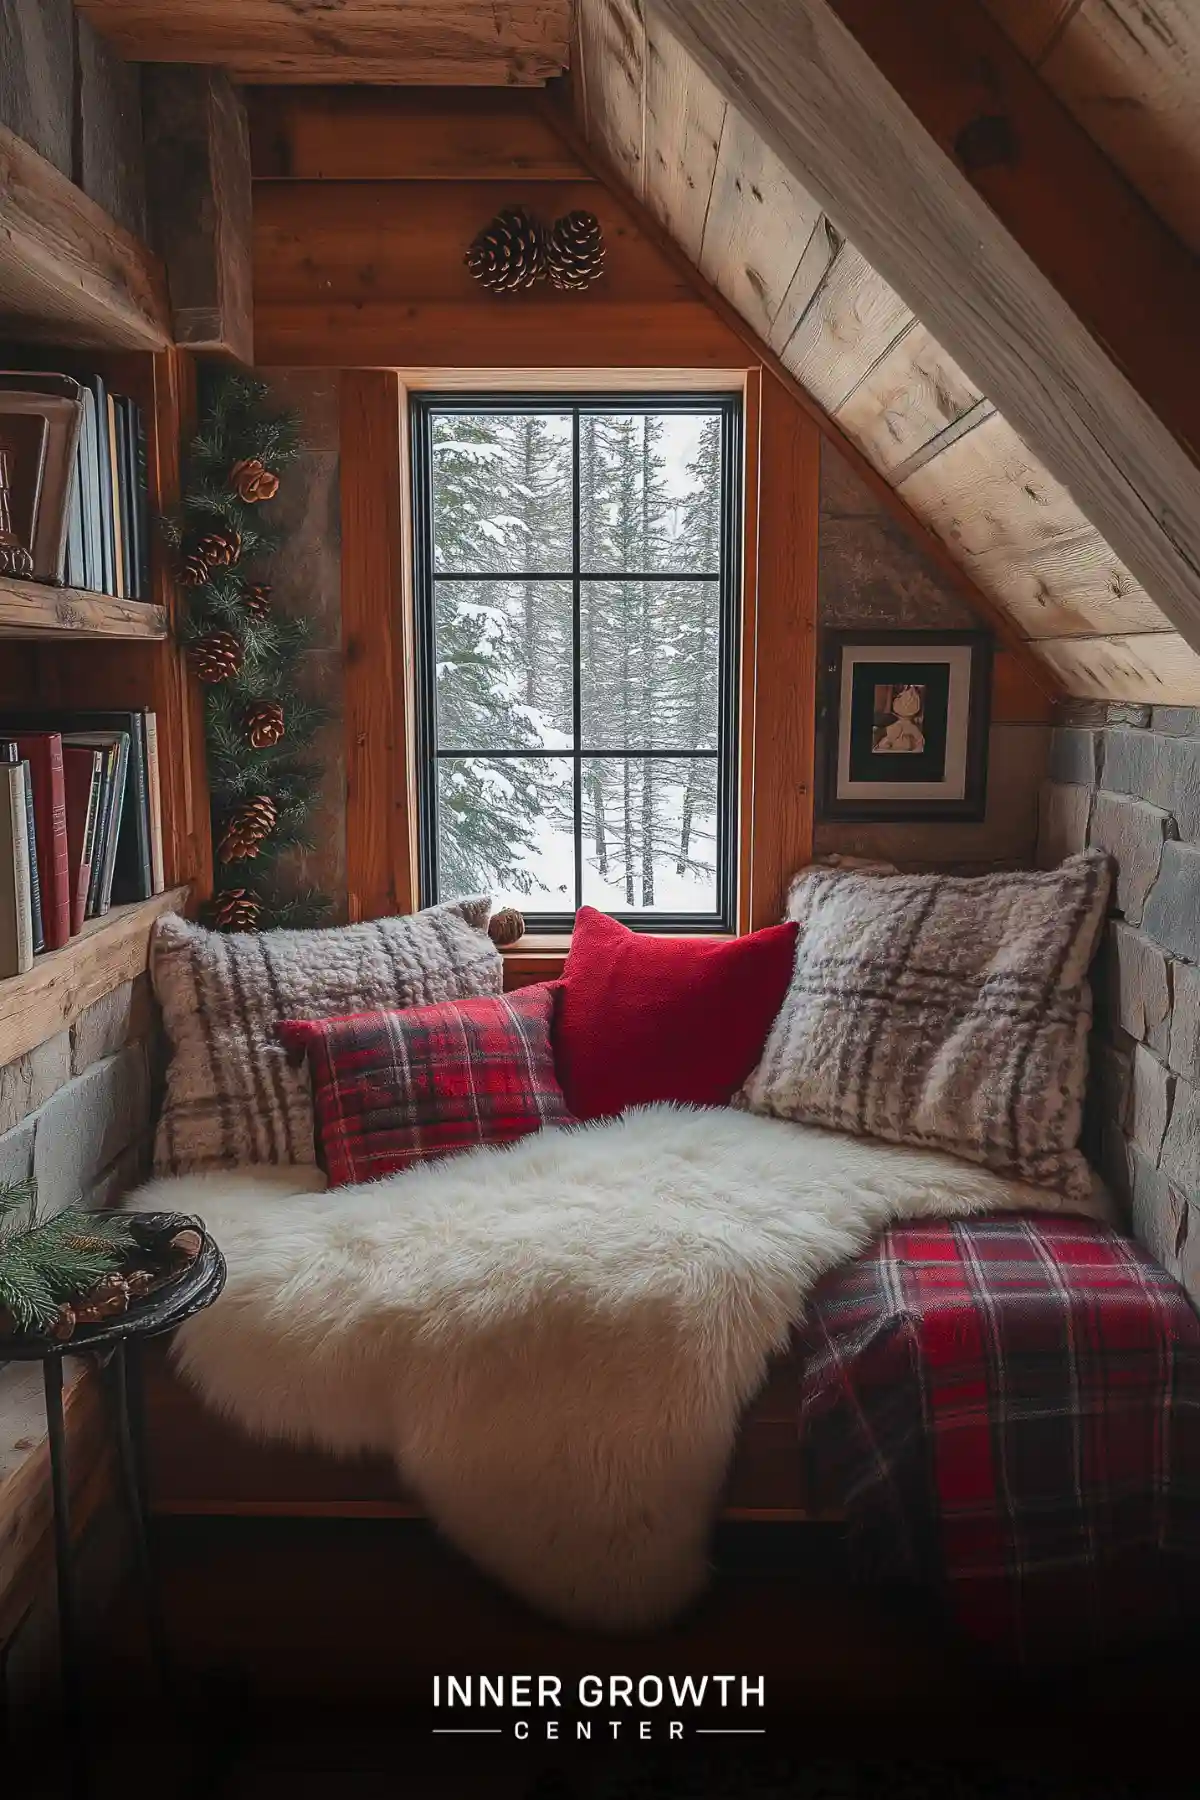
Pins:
x: 306, y: 1651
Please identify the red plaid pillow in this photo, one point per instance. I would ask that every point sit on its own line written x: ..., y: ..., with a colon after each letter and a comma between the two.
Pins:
x: 395, y: 1088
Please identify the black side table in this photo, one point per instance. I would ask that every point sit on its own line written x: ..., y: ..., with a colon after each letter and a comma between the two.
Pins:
x: 117, y: 1342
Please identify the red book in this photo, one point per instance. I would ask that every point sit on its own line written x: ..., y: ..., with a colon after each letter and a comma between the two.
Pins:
x: 81, y: 773
x: 44, y: 752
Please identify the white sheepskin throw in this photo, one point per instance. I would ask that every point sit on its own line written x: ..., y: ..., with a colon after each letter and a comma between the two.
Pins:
x: 555, y: 1340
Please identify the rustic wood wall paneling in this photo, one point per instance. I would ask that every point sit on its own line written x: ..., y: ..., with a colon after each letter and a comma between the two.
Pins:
x: 198, y: 165
x: 377, y: 872
x: 781, y: 821
x: 365, y: 134
x: 372, y: 273
x: 111, y: 166
x: 520, y: 44
x: 824, y: 105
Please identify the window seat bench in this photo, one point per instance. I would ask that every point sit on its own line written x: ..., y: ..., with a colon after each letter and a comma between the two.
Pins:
x: 1005, y: 1410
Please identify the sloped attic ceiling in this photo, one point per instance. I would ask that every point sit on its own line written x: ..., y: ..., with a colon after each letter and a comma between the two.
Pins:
x: 755, y: 233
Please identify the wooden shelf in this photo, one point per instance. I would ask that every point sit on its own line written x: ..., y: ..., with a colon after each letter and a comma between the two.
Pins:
x: 64, y: 983
x: 69, y: 274
x: 32, y: 609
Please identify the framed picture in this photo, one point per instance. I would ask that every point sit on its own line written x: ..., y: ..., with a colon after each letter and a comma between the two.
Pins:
x: 903, y: 722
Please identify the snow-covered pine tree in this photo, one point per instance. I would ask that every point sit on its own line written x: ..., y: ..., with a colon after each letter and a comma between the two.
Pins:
x: 488, y: 806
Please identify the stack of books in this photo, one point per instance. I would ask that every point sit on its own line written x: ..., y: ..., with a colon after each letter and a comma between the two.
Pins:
x: 79, y: 498
x: 80, y: 824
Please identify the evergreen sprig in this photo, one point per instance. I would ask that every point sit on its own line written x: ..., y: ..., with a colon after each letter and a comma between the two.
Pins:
x: 44, y: 1261
x: 239, y: 424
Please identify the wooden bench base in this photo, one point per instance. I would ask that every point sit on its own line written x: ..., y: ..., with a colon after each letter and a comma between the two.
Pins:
x: 200, y: 1464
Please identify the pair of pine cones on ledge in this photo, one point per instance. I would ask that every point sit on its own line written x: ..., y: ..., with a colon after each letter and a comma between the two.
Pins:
x: 516, y: 251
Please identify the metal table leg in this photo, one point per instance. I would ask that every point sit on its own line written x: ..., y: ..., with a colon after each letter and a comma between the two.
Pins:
x: 127, y: 1386
x: 68, y: 1627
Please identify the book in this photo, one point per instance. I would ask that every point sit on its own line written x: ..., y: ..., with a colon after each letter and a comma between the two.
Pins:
x: 16, y: 928
x: 40, y: 419
x: 89, y: 494
x: 104, y: 486
x: 115, y: 748
x: 158, y: 878
x: 117, y: 500
x: 133, y: 870
x: 141, y: 481
x: 10, y: 754
x: 43, y: 752
x: 83, y: 774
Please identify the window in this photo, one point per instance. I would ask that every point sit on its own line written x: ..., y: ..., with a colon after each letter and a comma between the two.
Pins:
x: 576, y: 566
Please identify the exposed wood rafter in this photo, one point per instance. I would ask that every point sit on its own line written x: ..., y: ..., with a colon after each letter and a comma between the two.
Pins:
x: 729, y: 316
x: 500, y: 43
x: 943, y: 238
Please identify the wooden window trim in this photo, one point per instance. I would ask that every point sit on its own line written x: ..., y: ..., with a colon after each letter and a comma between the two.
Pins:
x: 779, y: 612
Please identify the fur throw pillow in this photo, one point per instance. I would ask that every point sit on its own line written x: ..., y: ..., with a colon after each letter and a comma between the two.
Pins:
x: 231, y: 1096
x: 942, y: 1011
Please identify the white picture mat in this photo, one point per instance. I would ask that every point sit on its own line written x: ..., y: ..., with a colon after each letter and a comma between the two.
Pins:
x: 953, y: 785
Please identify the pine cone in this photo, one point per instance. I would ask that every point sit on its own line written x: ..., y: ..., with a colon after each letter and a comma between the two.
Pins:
x: 256, y: 600
x: 62, y: 1325
x: 220, y: 549
x: 509, y: 253
x: 506, y: 926
x: 217, y: 657
x: 140, y: 1282
x: 246, y: 830
x: 105, y: 1300
x: 234, y: 909
x: 193, y: 571
x: 253, y: 481
x: 264, y: 724
x: 575, y: 251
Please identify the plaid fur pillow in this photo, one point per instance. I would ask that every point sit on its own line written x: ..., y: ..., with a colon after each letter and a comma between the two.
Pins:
x: 231, y: 1096
x: 395, y: 1088
x: 942, y: 1011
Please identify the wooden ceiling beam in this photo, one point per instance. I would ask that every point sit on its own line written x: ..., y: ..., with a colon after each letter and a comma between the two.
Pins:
x: 941, y: 209
x: 472, y: 43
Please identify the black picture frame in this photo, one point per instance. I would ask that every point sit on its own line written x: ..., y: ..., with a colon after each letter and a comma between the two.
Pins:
x: 937, y: 739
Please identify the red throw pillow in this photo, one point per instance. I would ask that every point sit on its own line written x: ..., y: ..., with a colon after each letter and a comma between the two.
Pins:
x: 643, y: 1018
x: 395, y: 1088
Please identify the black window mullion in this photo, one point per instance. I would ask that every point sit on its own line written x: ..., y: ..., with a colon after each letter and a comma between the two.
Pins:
x: 576, y: 659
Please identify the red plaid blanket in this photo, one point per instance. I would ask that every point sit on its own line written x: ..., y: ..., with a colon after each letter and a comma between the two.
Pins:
x: 1010, y: 1409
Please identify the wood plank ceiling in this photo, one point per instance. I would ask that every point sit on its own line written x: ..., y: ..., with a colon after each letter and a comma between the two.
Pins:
x: 472, y: 43
x: 750, y: 228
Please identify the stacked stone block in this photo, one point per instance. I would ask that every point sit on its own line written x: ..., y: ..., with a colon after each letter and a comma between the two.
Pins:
x: 76, y: 1111
x: 1126, y: 779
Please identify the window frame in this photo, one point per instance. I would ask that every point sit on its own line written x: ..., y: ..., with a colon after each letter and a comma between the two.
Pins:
x: 729, y: 405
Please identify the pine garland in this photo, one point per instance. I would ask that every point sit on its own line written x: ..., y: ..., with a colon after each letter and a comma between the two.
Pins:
x: 44, y: 1262
x: 223, y: 534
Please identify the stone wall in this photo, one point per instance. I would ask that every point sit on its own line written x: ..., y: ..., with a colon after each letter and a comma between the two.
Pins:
x: 872, y: 574
x: 1126, y: 779
x: 76, y: 1112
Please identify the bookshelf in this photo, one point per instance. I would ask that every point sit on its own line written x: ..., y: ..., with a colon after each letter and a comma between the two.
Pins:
x: 31, y: 609
x: 64, y: 983
x: 79, y: 294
